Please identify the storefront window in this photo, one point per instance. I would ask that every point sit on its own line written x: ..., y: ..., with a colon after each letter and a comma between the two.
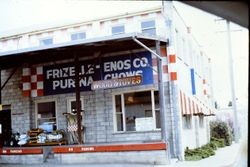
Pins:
x: 46, y: 116
x: 72, y: 105
x: 137, y: 111
x: 157, y: 109
x: 119, y: 115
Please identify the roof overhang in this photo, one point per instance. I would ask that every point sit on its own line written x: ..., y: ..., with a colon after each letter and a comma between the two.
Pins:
x: 83, y: 48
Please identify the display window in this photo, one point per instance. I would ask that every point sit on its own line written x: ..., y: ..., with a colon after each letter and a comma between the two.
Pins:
x: 46, y: 115
x: 137, y: 111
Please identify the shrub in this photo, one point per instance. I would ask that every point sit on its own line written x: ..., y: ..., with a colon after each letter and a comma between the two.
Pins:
x: 218, y: 142
x: 199, y: 153
x: 213, y: 145
x: 221, y: 130
x: 192, y: 155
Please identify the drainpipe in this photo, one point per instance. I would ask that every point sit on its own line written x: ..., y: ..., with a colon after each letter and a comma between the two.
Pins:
x: 162, y: 99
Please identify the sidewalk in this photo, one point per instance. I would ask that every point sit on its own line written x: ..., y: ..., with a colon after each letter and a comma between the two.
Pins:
x: 224, y: 157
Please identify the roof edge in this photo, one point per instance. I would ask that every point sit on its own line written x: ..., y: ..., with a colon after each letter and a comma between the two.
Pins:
x: 101, y: 19
x: 82, y: 42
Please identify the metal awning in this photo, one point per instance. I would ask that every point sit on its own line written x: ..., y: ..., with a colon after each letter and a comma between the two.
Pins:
x: 83, y: 48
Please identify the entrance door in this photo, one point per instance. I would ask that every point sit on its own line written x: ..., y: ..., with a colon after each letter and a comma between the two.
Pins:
x: 5, y: 126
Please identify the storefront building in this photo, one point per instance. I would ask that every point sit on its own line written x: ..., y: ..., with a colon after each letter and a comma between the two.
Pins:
x: 138, y: 86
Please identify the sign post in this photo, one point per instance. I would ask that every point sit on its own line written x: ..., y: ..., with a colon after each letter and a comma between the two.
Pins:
x: 78, y: 102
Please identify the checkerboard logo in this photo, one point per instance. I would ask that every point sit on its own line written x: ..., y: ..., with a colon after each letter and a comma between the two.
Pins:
x: 32, y: 79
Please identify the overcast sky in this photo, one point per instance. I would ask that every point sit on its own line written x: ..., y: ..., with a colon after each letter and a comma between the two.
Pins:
x: 210, y: 32
x: 17, y: 14
x: 21, y: 15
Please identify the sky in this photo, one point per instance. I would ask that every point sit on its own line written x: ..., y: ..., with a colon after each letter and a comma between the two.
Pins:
x: 22, y: 15
x: 212, y: 37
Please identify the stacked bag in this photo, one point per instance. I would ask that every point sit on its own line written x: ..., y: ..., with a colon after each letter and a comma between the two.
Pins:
x: 34, y: 135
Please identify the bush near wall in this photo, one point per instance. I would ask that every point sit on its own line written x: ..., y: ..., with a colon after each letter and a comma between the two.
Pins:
x: 204, y: 151
x: 221, y: 130
x: 218, y: 143
x: 221, y: 136
x: 200, y: 153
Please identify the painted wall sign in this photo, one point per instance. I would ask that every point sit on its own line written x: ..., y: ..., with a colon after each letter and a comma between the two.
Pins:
x: 59, y: 79
x: 116, y: 83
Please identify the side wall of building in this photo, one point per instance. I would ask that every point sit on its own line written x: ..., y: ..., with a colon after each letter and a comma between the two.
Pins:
x: 192, y: 85
x: 190, y: 60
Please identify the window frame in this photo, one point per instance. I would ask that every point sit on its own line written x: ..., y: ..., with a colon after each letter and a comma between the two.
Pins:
x: 78, y: 32
x: 41, y: 43
x: 150, y: 27
x: 36, y: 110
x: 153, y: 109
x: 117, y: 33
x: 69, y: 100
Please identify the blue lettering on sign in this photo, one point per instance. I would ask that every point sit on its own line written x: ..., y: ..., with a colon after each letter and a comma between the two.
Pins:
x: 60, y: 79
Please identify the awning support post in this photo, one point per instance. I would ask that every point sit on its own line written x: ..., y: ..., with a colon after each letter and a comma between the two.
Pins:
x: 147, y: 48
x: 78, y: 102
x: 162, y: 99
x: 161, y: 94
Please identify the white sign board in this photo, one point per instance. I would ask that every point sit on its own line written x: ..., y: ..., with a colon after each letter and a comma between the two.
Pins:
x: 144, y: 124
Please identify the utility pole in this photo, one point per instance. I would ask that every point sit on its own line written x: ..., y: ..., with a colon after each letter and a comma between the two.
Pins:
x: 230, y: 65
x: 231, y: 78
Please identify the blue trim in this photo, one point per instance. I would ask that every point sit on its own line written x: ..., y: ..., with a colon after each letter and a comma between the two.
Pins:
x: 193, y: 81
